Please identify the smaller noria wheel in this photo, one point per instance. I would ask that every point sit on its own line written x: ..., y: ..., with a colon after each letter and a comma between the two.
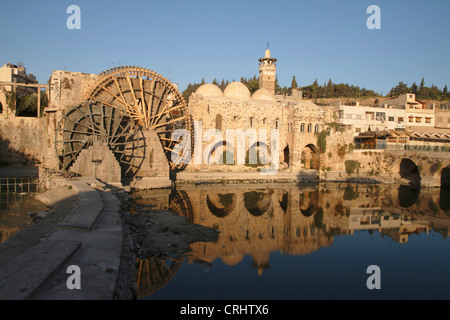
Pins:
x: 93, y: 122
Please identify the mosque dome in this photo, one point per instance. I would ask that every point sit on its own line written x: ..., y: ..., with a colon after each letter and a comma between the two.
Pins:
x: 209, y: 90
x: 237, y: 90
x: 263, y: 94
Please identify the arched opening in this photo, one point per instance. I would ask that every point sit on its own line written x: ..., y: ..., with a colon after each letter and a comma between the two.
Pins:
x: 445, y: 177
x: 286, y: 155
x: 221, y: 153
x: 310, y: 157
x: 258, y: 154
x: 409, y: 171
x: 1, y: 108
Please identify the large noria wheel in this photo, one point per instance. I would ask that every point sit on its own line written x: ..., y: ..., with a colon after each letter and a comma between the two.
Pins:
x: 152, y: 101
x: 94, y: 122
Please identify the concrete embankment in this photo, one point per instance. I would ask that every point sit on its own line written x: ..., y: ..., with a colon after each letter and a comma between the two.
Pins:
x: 84, y: 230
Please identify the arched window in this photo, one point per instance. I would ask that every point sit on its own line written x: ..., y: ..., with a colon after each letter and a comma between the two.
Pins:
x: 1, y: 108
x: 219, y: 122
x: 316, y: 128
x: 302, y: 127
x: 252, y: 122
x: 277, y: 123
x: 264, y: 121
x: 309, y: 127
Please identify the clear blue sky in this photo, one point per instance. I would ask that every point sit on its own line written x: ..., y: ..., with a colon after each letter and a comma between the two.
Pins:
x: 188, y: 40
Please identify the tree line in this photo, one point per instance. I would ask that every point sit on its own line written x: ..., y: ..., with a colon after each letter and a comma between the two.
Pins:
x: 331, y: 90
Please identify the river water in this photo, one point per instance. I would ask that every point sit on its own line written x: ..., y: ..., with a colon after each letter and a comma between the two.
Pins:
x: 283, y: 242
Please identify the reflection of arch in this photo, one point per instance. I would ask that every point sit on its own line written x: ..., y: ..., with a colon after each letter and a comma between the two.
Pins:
x: 309, y: 202
x: 409, y: 171
x: 445, y: 177
x: 444, y: 199
x: 407, y: 196
x: 221, y: 204
x: 257, y: 203
x: 311, y: 157
x: 284, y: 201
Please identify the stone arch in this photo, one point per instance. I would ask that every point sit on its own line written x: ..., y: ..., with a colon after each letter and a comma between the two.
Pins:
x: 221, y: 147
x: 311, y: 157
x: 220, y: 204
x: 262, y: 153
x: 409, y: 171
x: 445, y: 177
x: 286, y: 155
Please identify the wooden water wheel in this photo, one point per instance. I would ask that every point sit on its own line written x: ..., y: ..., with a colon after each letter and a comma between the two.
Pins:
x: 152, y: 101
x: 94, y: 122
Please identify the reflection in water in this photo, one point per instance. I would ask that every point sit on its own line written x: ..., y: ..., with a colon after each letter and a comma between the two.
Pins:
x: 17, y: 211
x: 291, y: 220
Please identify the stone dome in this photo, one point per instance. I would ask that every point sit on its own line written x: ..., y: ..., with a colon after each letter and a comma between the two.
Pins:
x: 237, y: 90
x: 263, y: 94
x: 209, y: 90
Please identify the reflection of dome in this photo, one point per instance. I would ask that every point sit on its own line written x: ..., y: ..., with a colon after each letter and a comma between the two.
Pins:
x: 221, y: 204
x: 237, y: 90
x: 209, y: 90
x: 257, y: 203
x: 263, y: 94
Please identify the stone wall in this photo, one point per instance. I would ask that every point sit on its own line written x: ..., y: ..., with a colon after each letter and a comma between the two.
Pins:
x: 21, y: 140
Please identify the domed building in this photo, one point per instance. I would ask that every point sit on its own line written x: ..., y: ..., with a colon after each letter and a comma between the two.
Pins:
x: 237, y: 90
x: 209, y: 90
x: 295, y: 122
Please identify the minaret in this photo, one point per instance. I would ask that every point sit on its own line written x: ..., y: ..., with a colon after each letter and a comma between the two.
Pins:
x: 267, y: 68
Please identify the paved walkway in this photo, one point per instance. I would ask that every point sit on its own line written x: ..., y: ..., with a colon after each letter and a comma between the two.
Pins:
x: 90, y: 237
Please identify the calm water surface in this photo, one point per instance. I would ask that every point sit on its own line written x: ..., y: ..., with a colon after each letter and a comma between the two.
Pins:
x: 305, y: 242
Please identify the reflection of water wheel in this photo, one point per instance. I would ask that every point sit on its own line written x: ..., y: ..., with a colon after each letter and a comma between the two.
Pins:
x: 154, y: 273
x: 151, y: 100
x: 93, y: 122
x: 179, y: 202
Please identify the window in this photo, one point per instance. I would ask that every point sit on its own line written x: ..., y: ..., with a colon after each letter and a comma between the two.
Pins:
x: 316, y: 128
x: 264, y: 121
x: 411, y: 119
x: 400, y: 119
x: 391, y: 118
x: 277, y: 124
x: 380, y: 116
x: 418, y: 119
x: 219, y: 122
x: 252, y: 122
x: 427, y: 120
x: 309, y: 127
x: 302, y: 127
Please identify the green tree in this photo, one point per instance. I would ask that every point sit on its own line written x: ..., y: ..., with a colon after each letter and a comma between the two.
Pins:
x: 294, y: 84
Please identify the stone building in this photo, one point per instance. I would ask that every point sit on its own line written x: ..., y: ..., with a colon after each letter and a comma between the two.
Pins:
x: 298, y: 123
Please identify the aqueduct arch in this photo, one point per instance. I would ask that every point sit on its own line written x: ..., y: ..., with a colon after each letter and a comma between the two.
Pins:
x: 311, y: 157
x: 408, y: 170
